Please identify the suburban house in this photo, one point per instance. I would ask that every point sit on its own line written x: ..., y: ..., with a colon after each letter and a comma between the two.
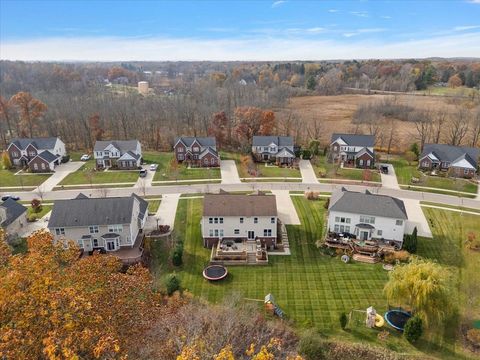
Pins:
x: 278, y: 149
x: 367, y: 216
x: 38, y: 154
x: 235, y: 220
x: 121, y: 154
x: 13, y: 216
x: 113, y: 225
x: 197, y: 151
x: 353, y: 150
x: 459, y: 161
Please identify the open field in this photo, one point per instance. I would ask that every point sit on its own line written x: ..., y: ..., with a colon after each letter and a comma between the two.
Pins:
x: 329, y: 171
x: 313, y: 289
x: 9, y: 179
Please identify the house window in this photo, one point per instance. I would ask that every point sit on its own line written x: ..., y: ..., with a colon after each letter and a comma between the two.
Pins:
x: 95, y: 242
x: 42, y: 165
x: 342, y: 228
x: 236, y: 231
x: 272, y: 149
x: 221, y: 232
x: 115, y: 228
x: 267, y: 232
x: 180, y: 157
x: 368, y: 162
x: 180, y: 150
x: 272, y: 220
x: 337, y: 219
x: 399, y: 222
x: 196, y: 149
x: 210, y: 233
x: 360, y: 162
x: 335, y: 148
x: 210, y: 220
x: 35, y: 166
x: 379, y: 232
x: 347, y: 229
x: 215, y: 220
x: 241, y: 220
x: 425, y: 164
x: 336, y: 228
x: 205, y: 161
x: 220, y: 220
x: 255, y: 220
x: 93, y: 229
x: 60, y: 231
x: 466, y: 171
x: 367, y: 219
x: 216, y: 232
x: 110, y: 245
x: 31, y: 153
x: 212, y: 161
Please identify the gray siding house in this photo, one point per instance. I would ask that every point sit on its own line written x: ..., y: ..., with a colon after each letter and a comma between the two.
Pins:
x: 278, y: 149
x: 122, y: 154
x: 458, y: 161
x: 13, y: 216
x: 352, y: 150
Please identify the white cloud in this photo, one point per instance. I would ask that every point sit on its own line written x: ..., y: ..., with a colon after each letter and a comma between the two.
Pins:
x: 255, y: 48
x: 359, y: 13
x: 316, y: 30
x: 363, y: 31
x: 386, y: 17
x: 474, y: 1
x: 333, y: 10
x: 467, y: 27
x: 278, y: 3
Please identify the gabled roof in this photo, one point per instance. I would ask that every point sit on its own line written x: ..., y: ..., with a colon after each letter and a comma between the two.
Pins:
x: 13, y: 210
x: 83, y: 211
x: 129, y: 155
x: 122, y: 145
x: 367, y: 204
x: 38, y: 143
x: 285, y: 152
x: 203, y: 141
x: 225, y: 204
x: 277, y: 140
x: 47, y: 156
x: 450, y: 153
x: 206, y: 151
x: 355, y: 140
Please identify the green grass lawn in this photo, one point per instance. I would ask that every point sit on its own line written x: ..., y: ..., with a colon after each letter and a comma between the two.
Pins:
x: 406, y: 172
x: 165, y: 172
x: 9, y: 179
x: 82, y: 176
x: 313, y: 289
x: 153, y: 206
x: 330, y: 171
x: 40, y: 214
x: 450, y: 206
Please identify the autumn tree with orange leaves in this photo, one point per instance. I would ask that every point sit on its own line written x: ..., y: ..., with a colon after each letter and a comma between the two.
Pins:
x: 218, y: 128
x: 30, y: 110
x: 96, y: 130
x: 250, y: 121
x: 54, y: 305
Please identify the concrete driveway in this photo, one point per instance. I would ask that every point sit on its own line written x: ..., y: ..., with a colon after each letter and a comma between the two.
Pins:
x: 61, y: 171
x: 143, y: 183
x: 389, y: 180
x: 229, y: 172
x: 166, y: 212
x: 417, y: 218
x: 308, y: 174
x: 286, y: 210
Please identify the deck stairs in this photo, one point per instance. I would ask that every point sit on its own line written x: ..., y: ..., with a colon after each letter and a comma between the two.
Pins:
x: 284, y: 235
x: 365, y: 258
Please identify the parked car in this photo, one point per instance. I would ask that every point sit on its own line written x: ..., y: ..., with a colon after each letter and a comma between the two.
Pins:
x: 13, y: 197
x: 143, y: 173
x: 384, y: 169
x: 85, y: 157
x: 153, y: 167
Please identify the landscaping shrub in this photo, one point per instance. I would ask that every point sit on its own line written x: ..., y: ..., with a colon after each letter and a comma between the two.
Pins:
x: 473, y: 243
x: 401, y: 256
x: 345, y: 350
x: 36, y: 205
x: 413, y: 329
x: 177, y: 254
x: 473, y: 335
x: 172, y: 284
x: 414, y: 148
x: 65, y: 159
x: 306, y: 154
x: 410, y: 242
x: 31, y: 218
x: 311, y: 195
x: 343, y: 320
x: 311, y: 346
x: 327, y: 203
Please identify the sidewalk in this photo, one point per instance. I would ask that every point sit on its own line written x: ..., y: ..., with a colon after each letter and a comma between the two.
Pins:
x: 61, y: 172
x: 308, y: 174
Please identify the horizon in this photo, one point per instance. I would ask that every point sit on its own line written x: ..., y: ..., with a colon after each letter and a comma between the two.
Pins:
x: 106, y: 31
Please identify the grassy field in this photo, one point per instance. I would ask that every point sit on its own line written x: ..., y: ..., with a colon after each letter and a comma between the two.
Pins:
x: 313, y: 289
x: 165, y: 172
x: 9, y: 179
x: 322, y: 166
x: 87, y: 174
x: 450, y: 206
x: 458, y: 91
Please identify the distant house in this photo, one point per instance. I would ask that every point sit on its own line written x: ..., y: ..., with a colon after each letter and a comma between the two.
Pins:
x: 459, y: 161
x: 197, y: 151
x: 112, y: 225
x: 367, y: 216
x: 278, y: 149
x: 236, y: 218
x: 352, y: 150
x: 38, y: 154
x: 13, y: 216
x: 122, y: 154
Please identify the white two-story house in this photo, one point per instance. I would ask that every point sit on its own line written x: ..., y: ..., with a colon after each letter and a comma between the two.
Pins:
x: 353, y: 150
x: 107, y: 224
x: 122, y: 154
x: 367, y: 216
x: 38, y: 154
x: 239, y: 218
x: 278, y: 149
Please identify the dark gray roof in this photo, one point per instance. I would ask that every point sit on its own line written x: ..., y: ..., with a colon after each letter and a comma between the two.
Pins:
x: 203, y: 141
x: 47, y: 156
x: 277, y: 140
x: 355, y: 140
x: 39, y: 143
x: 132, y: 154
x: 367, y: 204
x: 122, y: 145
x: 451, y: 153
x: 83, y: 211
x: 14, y: 210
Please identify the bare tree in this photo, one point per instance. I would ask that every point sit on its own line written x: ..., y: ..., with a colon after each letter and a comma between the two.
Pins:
x: 40, y: 192
x: 475, y: 128
x: 392, y: 134
x: 423, y: 125
x: 438, y: 125
x: 458, y: 127
x: 103, y: 191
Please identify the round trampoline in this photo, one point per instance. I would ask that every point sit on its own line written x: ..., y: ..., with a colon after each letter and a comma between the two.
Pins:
x: 397, y: 318
x: 215, y: 272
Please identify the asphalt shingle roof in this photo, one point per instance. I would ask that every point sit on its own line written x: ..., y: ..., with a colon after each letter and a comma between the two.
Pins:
x: 367, y: 204
x: 122, y: 145
x: 277, y: 140
x: 239, y: 205
x: 39, y: 143
x: 14, y: 210
x: 451, y: 153
x: 203, y: 141
x: 355, y: 139
x: 47, y: 156
x: 84, y: 211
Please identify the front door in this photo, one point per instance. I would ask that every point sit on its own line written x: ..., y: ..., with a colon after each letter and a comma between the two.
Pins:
x: 251, y: 235
x: 87, y: 245
x: 364, y: 235
x: 110, y: 245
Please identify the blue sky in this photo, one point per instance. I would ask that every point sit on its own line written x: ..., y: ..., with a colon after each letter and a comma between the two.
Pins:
x: 241, y: 30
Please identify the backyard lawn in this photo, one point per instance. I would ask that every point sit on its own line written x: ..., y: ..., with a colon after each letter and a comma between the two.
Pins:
x: 9, y: 179
x: 330, y: 171
x: 313, y: 289
x: 165, y: 172
x: 88, y: 175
